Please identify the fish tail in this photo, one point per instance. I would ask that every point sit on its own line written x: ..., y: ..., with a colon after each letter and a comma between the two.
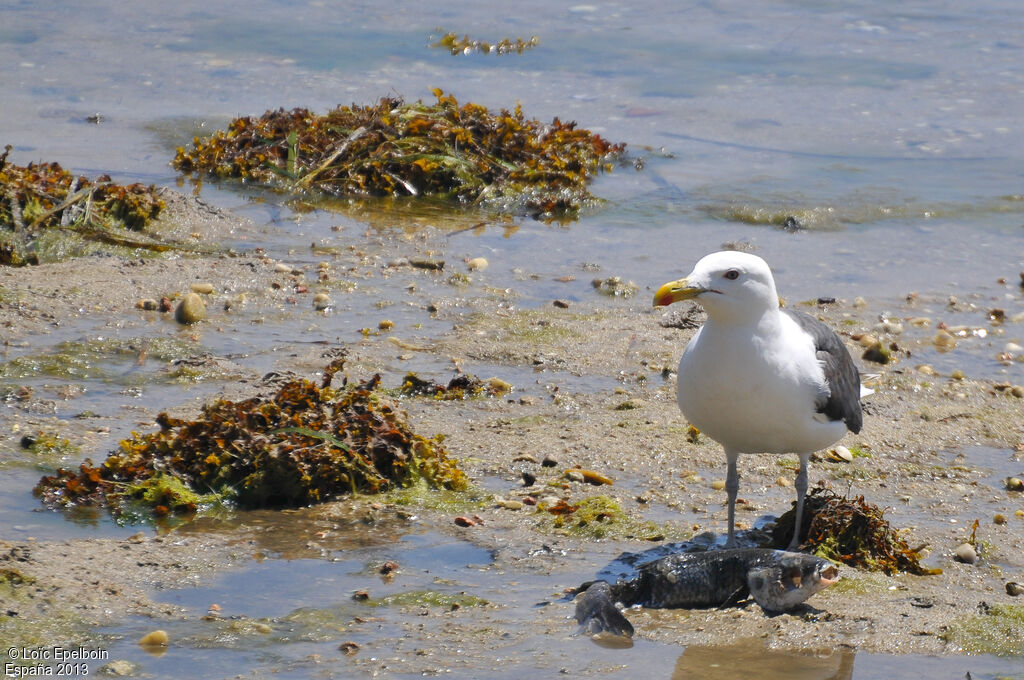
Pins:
x: 596, y: 612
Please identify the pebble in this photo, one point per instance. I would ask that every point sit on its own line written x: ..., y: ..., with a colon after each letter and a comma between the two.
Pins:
x: 322, y: 301
x: 1017, y: 391
x: 549, y: 461
x: 157, y: 638
x: 784, y: 482
x: 999, y: 518
x: 966, y: 553
x: 386, y: 325
x: 867, y: 340
x: 926, y: 369
x: 464, y: 521
x: 958, y: 375
x: 191, y: 309
x: 561, y: 304
x: 477, y: 264
x: 944, y: 342
x: 202, y: 288
x: 510, y: 504
x: 122, y: 668
x: 718, y: 484
x: 348, y: 648
x: 529, y: 479
x: 877, y: 353
x: 282, y: 268
x: 148, y: 304
x: 1013, y: 589
x: 1014, y: 484
x: 1013, y: 348
x: 920, y: 321
x: 524, y: 457
x: 574, y: 475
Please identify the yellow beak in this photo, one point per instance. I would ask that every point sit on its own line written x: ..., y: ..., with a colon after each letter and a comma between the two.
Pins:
x: 675, y: 291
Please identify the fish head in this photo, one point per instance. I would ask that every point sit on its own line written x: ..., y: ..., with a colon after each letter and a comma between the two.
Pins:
x: 787, y: 579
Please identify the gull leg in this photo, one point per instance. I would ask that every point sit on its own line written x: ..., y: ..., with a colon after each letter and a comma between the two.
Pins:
x: 801, y: 491
x: 732, y: 487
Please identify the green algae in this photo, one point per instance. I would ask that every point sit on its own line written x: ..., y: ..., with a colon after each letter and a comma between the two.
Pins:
x: 996, y: 629
x: 47, y: 447
x: 426, y: 598
x: 110, y: 359
x: 464, y: 153
x: 602, y: 517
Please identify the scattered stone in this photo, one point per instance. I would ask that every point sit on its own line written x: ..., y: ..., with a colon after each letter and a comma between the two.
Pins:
x: 718, y: 484
x: 965, y: 553
x: 784, y: 482
x: 386, y: 325
x: 388, y: 567
x: 926, y: 369
x: 509, y: 504
x: 477, y: 264
x: 122, y: 668
x: 464, y: 521
x: 322, y: 301
x: 202, y: 288
x: 574, y: 475
x: 529, y: 479
x: 149, y: 304
x: 561, y: 304
x: 429, y: 265
x: 944, y: 341
x: 867, y: 340
x: 615, y: 286
x: 920, y: 321
x: 1013, y: 589
x: 1014, y: 484
x: 282, y: 268
x: 361, y: 595
x: 957, y: 375
x: 190, y: 310
x: 524, y: 458
x: 348, y: 648
x: 157, y: 638
x: 1017, y: 391
x: 549, y: 461
x: 999, y: 518
x: 165, y: 304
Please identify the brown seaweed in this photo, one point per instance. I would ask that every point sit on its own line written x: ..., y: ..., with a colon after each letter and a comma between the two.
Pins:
x: 461, y: 152
x: 851, y: 531
x: 305, y: 444
x: 42, y: 197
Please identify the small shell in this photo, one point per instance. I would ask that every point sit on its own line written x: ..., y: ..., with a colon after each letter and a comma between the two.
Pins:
x: 965, y: 553
x: 841, y: 454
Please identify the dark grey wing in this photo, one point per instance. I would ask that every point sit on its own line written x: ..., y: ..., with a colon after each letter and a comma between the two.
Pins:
x: 841, y: 373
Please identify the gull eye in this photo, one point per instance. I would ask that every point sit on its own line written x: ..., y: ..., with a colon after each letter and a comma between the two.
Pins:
x: 732, y: 274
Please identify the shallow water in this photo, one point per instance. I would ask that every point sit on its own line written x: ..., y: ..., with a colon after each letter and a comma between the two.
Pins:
x: 891, y: 130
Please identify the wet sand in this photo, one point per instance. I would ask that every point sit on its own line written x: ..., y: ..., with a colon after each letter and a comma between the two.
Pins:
x: 594, y: 390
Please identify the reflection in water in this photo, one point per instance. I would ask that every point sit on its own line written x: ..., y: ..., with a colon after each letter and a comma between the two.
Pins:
x: 750, y: 659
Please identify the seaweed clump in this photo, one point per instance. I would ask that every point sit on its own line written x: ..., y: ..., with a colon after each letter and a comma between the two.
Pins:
x: 305, y: 444
x: 851, y: 531
x: 41, y: 198
x: 464, y: 45
x: 392, y: 148
x: 460, y: 387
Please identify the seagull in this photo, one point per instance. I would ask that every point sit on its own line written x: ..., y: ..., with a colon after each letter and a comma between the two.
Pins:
x: 757, y: 378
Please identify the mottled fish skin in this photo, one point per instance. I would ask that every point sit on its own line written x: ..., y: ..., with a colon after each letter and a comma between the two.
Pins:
x: 778, y: 581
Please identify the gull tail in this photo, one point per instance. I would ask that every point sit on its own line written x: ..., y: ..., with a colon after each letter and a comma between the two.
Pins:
x: 596, y: 612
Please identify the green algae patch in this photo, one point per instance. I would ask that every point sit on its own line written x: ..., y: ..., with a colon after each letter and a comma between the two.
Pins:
x: 851, y: 531
x: 996, y: 629
x: 47, y: 213
x: 425, y: 598
x: 102, y: 359
x: 303, y: 444
x: 465, y: 153
x: 46, y: 446
x: 598, y: 517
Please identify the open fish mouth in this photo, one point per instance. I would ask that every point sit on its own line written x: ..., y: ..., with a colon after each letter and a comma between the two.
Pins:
x: 829, y: 575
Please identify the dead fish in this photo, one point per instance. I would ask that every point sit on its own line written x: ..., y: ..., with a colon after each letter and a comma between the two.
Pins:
x: 777, y: 580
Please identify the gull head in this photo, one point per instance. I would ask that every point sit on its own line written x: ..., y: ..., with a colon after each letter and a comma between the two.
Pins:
x: 728, y: 284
